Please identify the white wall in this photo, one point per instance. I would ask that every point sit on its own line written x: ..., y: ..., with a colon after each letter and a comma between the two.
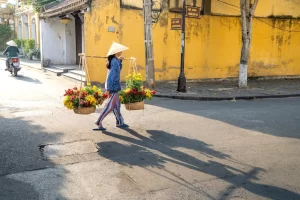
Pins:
x: 70, y: 44
x: 58, y: 42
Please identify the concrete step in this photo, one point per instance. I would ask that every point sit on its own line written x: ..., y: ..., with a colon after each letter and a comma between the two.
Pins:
x: 56, y: 71
x: 78, y: 72
x: 65, y: 68
x: 74, y: 77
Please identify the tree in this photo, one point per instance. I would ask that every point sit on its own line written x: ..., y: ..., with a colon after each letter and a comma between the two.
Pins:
x: 247, y: 12
x: 5, y: 35
x: 38, y: 4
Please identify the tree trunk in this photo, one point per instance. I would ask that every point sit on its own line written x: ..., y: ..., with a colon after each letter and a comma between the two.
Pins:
x: 150, y: 70
x: 247, y: 12
x: 243, y: 75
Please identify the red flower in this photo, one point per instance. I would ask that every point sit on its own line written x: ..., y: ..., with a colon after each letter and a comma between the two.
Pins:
x: 153, y: 92
x: 68, y: 92
x: 83, y: 94
x: 105, y: 96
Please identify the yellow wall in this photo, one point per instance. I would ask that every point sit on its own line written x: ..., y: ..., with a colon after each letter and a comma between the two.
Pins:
x: 31, y: 15
x: 213, y: 43
x: 265, y: 8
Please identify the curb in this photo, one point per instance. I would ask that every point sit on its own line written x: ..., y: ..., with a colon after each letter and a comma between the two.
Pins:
x: 228, y: 98
x: 31, y: 66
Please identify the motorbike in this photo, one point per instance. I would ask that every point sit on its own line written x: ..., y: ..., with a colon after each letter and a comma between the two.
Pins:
x: 14, y: 65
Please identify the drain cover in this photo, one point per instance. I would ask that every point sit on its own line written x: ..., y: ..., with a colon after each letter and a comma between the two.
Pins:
x: 68, y: 149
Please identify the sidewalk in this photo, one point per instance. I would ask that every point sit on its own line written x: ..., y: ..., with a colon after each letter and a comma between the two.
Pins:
x: 31, y: 63
x: 228, y: 90
x: 219, y: 90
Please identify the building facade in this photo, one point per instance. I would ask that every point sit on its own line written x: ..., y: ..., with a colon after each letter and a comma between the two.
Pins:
x: 213, y: 42
x: 62, y: 31
x: 27, y: 23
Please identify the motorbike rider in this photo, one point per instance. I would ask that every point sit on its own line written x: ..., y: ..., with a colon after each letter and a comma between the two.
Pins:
x: 11, y: 51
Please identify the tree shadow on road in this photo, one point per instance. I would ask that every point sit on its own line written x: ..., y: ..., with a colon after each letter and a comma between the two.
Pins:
x: 21, y: 158
x: 273, y: 117
x: 161, y: 147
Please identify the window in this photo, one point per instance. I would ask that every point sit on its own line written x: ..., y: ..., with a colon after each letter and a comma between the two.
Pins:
x: 20, y: 30
x: 138, y: 4
x: 176, y: 5
x: 33, y: 29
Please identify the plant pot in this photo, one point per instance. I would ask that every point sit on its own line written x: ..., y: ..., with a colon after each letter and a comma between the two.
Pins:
x: 135, y: 106
x: 84, y: 110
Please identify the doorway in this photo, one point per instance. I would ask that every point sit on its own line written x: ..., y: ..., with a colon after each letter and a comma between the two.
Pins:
x: 79, y: 37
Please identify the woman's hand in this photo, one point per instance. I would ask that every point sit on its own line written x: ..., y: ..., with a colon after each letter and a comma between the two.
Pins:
x: 108, y: 94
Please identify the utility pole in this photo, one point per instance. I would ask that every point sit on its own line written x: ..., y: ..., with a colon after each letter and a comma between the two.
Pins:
x: 150, y: 71
x: 182, y: 79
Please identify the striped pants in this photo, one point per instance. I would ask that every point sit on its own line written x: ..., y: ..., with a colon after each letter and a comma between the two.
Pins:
x: 113, y: 104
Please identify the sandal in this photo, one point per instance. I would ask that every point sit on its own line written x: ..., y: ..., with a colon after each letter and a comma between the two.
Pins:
x: 123, y: 126
x: 100, y: 128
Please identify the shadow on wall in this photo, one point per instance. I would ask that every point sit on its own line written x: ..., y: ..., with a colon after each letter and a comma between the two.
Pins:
x: 19, y: 152
x: 277, y: 117
x: 140, y: 152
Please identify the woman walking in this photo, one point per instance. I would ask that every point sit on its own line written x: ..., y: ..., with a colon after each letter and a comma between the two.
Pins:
x: 113, y: 86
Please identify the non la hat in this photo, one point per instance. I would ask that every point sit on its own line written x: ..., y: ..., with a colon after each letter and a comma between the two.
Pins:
x: 12, y: 43
x: 116, y: 48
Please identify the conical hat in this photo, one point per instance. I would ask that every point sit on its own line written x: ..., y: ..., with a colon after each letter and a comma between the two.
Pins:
x: 12, y: 43
x: 116, y: 48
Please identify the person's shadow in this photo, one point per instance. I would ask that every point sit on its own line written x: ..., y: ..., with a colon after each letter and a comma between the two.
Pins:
x: 141, y: 152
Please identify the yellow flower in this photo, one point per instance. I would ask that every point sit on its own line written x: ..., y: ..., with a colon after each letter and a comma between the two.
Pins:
x: 68, y: 103
x: 69, y: 106
x: 121, y: 99
x: 127, y: 90
x: 88, y: 84
x: 95, y: 89
x: 91, y: 99
x: 148, y: 95
x: 147, y: 91
x: 129, y: 76
x: 66, y: 100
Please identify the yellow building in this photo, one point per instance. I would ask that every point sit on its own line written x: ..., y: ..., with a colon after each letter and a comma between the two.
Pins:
x: 213, y: 42
x: 27, y: 24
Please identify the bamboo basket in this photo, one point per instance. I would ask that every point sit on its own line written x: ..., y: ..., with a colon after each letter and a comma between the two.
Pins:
x: 84, y: 110
x: 135, y: 106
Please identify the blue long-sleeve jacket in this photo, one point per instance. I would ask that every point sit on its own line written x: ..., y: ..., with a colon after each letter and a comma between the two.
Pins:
x: 113, y: 83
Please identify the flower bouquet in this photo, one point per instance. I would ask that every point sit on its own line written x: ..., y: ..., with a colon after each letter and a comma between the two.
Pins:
x: 84, y: 100
x: 135, y: 93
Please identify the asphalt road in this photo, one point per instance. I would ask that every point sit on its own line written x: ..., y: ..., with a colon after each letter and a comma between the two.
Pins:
x: 173, y: 150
